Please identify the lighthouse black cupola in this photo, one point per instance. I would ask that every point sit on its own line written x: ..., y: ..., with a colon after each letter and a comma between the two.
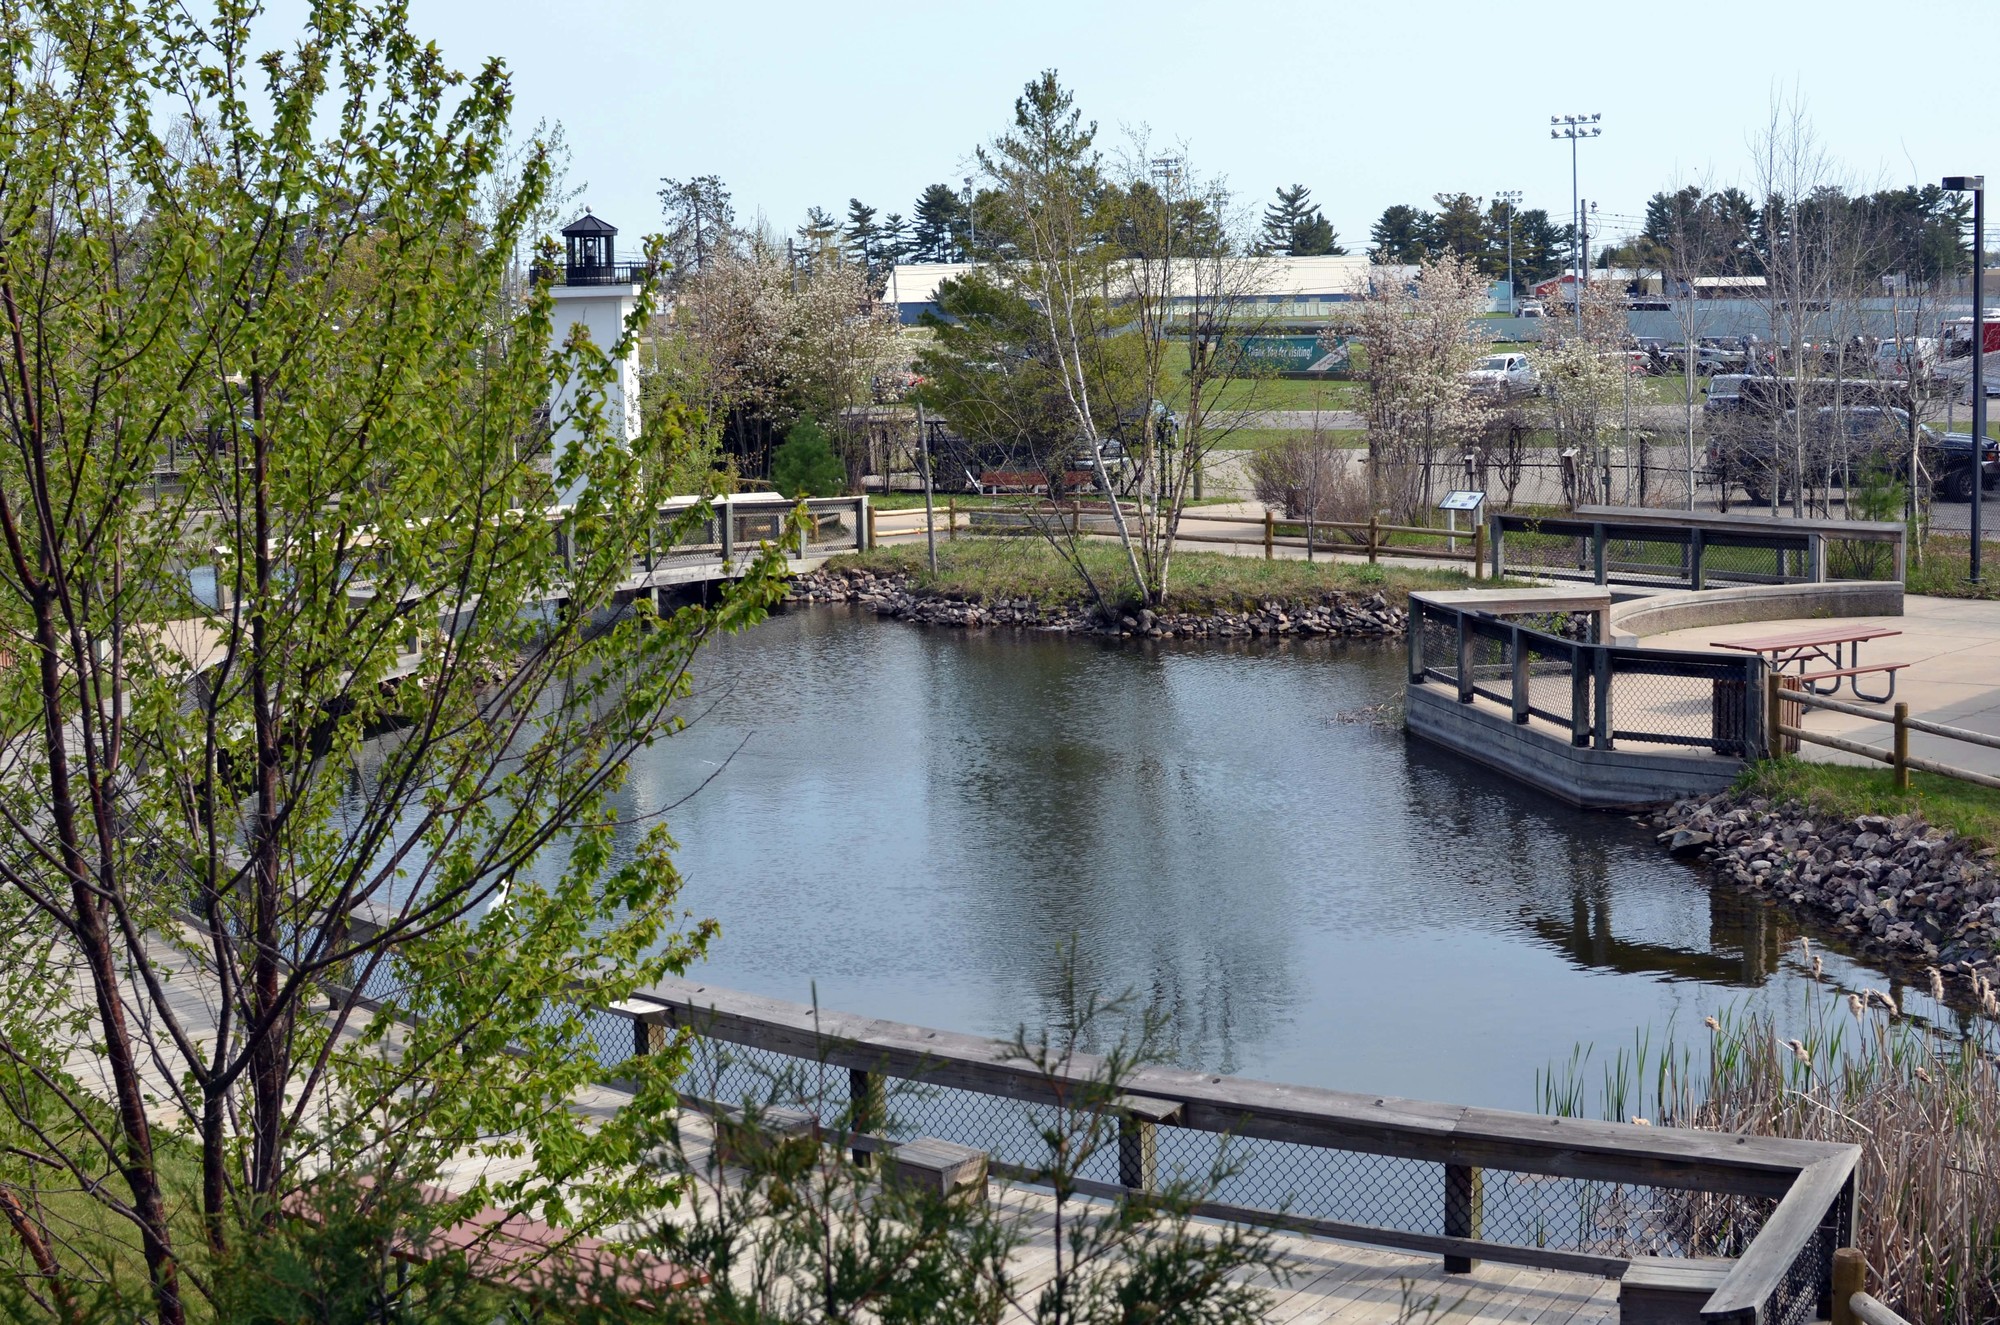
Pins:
x: 590, y: 254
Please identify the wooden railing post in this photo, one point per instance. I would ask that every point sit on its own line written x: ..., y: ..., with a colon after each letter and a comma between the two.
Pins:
x: 1579, y: 696
x: 1464, y: 662
x: 1413, y: 638
x: 871, y: 526
x: 1697, y: 546
x: 1478, y: 549
x: 728, y: 531
x: 1902, y: 746
x: 1499, y: 545
x: 1373, y: 523
x: 867, y: 1107
x: 648, y: 1037
x: 1270, y: 535
x: 1597, y: 561
x: 1774, y: 742
x: 864, y: 530
x: 1138, y: 1148
x: 1850, y: 1276
x: 951, y: 527
x: 1464, y: 1195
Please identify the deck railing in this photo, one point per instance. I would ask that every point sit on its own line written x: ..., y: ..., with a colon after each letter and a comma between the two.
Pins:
x: 1683, y: 549
x: 1617, y: 1200
x: 1601, y: 694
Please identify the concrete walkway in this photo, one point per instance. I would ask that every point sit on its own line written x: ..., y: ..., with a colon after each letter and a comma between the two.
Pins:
x: 1953, y: 648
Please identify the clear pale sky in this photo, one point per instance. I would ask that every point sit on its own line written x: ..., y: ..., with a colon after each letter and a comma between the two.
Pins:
x: 798, y: 104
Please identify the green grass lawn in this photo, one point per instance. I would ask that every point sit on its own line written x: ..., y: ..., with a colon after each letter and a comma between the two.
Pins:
x: 982, y: 569
x: 1846, y: 791
x: 1285, y: 393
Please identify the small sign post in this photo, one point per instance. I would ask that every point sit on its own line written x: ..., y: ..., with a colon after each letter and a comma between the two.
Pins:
x: 1462, y: 499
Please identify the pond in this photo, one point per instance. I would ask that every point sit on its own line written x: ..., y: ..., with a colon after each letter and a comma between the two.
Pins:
x: 916, y: 822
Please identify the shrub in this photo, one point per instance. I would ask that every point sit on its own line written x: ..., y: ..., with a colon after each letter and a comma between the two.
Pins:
x: 805, y: 466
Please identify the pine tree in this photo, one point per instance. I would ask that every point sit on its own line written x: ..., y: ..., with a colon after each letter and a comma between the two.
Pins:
x: 819, y: 232
x: 1282, y: 217
x: 1314, y: 237
x: 940, y: 219
x: 1402, y: 234
x: 862, y: 234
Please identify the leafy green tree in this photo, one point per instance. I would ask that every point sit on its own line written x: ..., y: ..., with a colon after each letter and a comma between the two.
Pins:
x: 276, y: 477
x: 805, y: 466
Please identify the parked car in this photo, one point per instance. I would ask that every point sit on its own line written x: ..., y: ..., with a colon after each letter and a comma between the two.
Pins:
x: 1956, y: 484
x: 1503, y: 375
x: 1530, y: 308
x: 1917, y: 359
x: 1761, y: 452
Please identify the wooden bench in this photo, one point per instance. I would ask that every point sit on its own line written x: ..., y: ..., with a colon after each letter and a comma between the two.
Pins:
x: 938, y: 1167
x: 1838, y: 674
x: 1661, y: 1290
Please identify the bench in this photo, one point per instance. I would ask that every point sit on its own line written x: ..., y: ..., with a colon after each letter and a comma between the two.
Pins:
x: 1836, y: 675
x: 1664, y: 1290
x: 938, y: 1167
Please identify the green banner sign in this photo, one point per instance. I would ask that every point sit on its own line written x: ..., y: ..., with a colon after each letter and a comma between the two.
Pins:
x: 1293, y: 355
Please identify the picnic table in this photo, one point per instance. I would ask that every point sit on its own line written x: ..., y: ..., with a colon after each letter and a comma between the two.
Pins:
x: 1823, y: 646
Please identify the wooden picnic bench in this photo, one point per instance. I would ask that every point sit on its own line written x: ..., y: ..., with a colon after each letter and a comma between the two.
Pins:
x: 1824, y: 646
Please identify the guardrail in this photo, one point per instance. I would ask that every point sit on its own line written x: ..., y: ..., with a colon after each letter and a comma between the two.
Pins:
x: 1610, y: 1199
x: 1784, y: 695
x: 1599, y: 693
x: 1631, y: 545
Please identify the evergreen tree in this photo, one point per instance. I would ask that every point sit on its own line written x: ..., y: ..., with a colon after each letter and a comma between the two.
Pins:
x: 1540, y: 247
x: 940, y: 220
x: 862, y: 235
x: 894, y: 244
x: 1459, y: 229
x: 1402, y: 234
x: 701, y: 220
x: 1295, y: 226
x: 805, y: 466
x: 819, y: 232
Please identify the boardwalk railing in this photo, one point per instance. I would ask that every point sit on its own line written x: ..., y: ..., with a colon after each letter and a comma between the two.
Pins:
x: 1785, y: 706
x: 1601, y: 694
x: 1711, y: 1226
x: 1683, y: 549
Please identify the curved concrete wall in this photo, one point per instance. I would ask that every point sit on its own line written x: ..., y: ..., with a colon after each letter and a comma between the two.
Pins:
x: 1657, y: 614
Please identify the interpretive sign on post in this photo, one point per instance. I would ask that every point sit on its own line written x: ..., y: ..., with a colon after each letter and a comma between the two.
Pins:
x: 1463, y: 499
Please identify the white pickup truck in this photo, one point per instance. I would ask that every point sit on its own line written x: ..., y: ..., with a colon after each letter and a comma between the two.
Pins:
x: 1503, y: 375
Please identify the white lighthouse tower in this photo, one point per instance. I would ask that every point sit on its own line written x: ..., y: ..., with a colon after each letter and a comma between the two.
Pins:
x: 597, y: 292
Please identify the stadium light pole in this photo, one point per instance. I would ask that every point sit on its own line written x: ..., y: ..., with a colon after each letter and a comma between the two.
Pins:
x: 1976, y: 186
x: 1510, y: 199
x: 1575, y: 128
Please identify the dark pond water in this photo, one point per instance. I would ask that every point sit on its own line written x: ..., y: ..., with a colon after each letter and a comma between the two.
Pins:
x: 916, y: 820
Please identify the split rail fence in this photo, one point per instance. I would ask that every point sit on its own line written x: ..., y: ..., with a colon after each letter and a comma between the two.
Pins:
x: 1785, y: 702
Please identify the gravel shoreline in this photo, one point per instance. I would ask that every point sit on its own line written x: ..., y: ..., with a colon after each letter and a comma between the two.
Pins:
x: 1897, y: 887
x: 1332, y: 615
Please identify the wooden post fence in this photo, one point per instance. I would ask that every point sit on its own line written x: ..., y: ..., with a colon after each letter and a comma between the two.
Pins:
x: 1270, y: 534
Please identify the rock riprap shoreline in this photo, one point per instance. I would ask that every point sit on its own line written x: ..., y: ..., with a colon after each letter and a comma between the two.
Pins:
x: 1899, y: 887
x: 1345, y: 615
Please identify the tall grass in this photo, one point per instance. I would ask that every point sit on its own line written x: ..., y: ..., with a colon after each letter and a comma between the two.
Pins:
x: 1921, y: 1102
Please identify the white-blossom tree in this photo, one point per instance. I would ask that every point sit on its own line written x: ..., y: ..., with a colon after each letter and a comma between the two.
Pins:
x: 1417, y: 331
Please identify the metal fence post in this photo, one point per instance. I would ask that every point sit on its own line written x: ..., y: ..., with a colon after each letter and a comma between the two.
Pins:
x: 1601, y: 665
x: 1478, y: 550
x: 1519, y: 687
x: 864, y: 524
x: 728, y: 531
x: 1697, y: 545
x: 1464, y: 1195
x: 1597, y: 569
x: 1816, y: 557
x: 1579, y: 697
x: 1413, y: 639
x: 1464, y: 662
x: 1499, y: 557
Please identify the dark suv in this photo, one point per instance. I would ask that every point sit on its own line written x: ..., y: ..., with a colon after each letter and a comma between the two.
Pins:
x: 1761, y: 451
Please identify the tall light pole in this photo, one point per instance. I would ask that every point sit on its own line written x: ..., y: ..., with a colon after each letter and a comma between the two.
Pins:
x: 1976, y: 186
x: 971, y: 222
x: 1166, y: 169
x: 1510, y: 199
x: 1576, y: 128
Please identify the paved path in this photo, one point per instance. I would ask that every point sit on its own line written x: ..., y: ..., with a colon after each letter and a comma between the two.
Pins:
x: 1953, y: 648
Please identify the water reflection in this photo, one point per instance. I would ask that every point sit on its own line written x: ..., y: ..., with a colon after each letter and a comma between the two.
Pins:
x: 917, y: 820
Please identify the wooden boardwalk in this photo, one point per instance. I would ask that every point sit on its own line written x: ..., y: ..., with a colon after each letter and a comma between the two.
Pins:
x: 1330, y: 1282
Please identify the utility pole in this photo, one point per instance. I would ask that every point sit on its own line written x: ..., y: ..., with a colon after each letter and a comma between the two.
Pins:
x: 1510, y: 199
x: 1576, y: 128
x: 1976, y: 185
